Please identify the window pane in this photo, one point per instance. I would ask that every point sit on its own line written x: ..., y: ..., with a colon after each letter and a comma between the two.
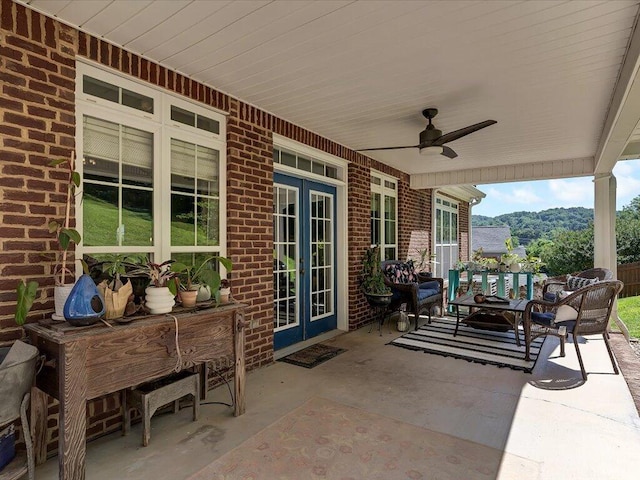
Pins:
x: 208, y: 221
x: 98, y: 88
x: 100, y: 215
x: 375, y: 218
x: 137, y: 217
x: 288, y: 159
x: 208, y: 166
x: 183, y: 166
x: 137, y: 101
x: 101, y: 150
x: 183, y: 116
x: 137, y: 156
x: 208, y: 124
x: 182, y: 220
x: 304, y: 164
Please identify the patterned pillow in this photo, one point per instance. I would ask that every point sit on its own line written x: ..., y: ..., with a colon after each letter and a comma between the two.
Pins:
x: 401, y: 272
x: 574, y: 283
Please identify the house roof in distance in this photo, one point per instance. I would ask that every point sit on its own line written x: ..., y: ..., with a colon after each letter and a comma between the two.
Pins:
x: 492, y: 241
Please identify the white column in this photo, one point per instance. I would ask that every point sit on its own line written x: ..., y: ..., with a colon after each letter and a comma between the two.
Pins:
x: 604, y: 222
x: 604, y: 229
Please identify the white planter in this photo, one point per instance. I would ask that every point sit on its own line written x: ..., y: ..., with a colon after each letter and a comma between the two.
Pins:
x: 60, y: 295
x: 204, y: 293
x: 159, y: 299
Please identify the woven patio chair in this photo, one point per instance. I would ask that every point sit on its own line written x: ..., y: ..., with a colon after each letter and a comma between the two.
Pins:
x: 585, y: 311
x: 419, y: 291
x: 554, y: 285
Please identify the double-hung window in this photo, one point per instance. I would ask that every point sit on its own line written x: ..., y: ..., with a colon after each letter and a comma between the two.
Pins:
x: 153, y: 171
x: 446, y: 237
x: 384, y: 214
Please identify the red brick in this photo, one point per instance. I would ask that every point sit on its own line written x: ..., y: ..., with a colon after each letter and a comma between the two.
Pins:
x: 17, y: 119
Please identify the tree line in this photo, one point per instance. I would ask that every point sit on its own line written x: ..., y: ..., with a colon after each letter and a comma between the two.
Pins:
x: 563, y: 237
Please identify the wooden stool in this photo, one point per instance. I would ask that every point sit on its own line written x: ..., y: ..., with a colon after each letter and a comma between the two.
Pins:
x: 149, y: 397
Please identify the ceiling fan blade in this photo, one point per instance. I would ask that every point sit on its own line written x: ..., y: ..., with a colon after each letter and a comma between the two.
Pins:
x: 448, y: 152
x: 456, y: 134
x: 386, y: 148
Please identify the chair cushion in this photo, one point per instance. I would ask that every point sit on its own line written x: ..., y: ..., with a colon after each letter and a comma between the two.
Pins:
x: 401, y: 272
x: 432, y: 285
x: 574, y: 283
x: 426, y: 293
x: 548, y: 319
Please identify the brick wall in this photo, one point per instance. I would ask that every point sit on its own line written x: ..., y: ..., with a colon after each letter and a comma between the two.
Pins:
x: 37, y: 125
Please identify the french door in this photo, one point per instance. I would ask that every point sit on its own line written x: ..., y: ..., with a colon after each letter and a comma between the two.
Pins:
x: 304, y: 253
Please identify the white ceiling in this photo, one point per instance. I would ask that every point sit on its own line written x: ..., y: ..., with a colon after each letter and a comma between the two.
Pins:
x: 360, y: 72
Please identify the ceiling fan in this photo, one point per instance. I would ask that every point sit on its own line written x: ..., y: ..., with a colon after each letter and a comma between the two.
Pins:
x: 432, y: 141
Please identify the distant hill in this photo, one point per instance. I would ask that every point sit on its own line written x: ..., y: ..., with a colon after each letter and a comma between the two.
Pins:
x: 528, y: 226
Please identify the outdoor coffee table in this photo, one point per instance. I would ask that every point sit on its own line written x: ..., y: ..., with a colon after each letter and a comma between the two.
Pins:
x: 516, y: 306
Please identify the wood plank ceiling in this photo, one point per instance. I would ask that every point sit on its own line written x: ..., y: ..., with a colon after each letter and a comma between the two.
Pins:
x: 360, y: 72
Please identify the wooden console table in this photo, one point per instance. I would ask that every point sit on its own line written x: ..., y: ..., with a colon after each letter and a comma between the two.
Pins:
x: 89, y: 362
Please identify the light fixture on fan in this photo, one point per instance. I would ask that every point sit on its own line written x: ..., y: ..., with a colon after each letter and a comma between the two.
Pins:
x: 432, y: 151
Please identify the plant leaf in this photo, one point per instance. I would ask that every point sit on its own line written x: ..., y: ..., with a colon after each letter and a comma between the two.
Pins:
x: 55, y: 163
x: 63, y: 240
x: 75, y: 178
x: 53, y: 226
x: 24, y: 302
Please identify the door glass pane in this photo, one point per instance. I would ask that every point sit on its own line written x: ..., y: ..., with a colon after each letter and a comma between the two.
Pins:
x: 285, y: 257
x: 322, y: 261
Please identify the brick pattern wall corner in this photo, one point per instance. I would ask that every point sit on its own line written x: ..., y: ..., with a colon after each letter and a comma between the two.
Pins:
x: 359, y: 224
x: 250, y: 226
x: 37, y: 125
x: 414, y: 214
x: 464, y: 234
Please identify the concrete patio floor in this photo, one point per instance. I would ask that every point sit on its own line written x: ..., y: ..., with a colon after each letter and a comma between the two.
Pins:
x: 568, y: 428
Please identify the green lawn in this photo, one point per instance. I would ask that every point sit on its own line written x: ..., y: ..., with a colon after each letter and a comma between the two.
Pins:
x: 629, y: 312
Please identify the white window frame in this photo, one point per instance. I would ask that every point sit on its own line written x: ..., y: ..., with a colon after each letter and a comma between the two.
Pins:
x: 453, y: 207
x: 163, y: 128
x: 385, y: 191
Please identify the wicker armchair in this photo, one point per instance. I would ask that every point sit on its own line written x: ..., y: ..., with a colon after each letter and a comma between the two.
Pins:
x: 585, y: 311
x: 554, y: 285
x: 420, y: 293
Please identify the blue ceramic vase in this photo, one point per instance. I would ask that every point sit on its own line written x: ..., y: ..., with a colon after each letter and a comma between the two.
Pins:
x: 85, y: 304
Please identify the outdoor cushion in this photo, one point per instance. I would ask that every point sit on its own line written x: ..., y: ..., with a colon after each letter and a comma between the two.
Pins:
x: 431, y: 285
x: 401, y: 272
x: 426, y: 292
x: 565, y: 313
x: 574, y: 283
x: 548, y: 319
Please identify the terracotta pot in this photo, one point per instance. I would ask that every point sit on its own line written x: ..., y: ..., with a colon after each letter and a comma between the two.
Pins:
x: 189, y: 298
x: 224, y: 295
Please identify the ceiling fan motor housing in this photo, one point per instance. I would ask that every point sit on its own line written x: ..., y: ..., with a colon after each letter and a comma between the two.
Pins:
x: 429, y: 134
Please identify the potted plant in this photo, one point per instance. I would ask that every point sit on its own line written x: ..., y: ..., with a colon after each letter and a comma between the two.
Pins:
x: 225, y: 290
x: 66, y: 236
x: 372, y: 278
x: 159, y: 295
x: 116, y: 292
x: 202, y: 276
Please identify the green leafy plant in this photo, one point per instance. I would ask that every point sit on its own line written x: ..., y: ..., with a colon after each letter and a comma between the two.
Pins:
x: 160, y: 274
x: 203, y: 273
x: 372, y: 278
x: 65, y: 235
x: 26, y: 296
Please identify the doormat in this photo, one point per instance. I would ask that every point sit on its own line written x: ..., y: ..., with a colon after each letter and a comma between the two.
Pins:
x: 312, y: 356
x: 471, y: 344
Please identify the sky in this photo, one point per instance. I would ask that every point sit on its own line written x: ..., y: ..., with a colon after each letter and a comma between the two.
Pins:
x: 566, y: 192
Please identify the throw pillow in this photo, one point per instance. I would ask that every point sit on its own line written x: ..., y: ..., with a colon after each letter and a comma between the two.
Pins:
x: 574, y: 283
x: 565, y: 313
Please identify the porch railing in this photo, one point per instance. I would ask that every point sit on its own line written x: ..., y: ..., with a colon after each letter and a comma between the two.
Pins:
x: 493, y: 283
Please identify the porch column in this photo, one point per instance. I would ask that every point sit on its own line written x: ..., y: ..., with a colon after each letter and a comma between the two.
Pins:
x: 604, y: 222
x: 604, y: 229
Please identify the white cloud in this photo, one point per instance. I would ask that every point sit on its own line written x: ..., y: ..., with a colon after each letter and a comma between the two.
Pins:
x: 574, y: 192
x: 525, y: 196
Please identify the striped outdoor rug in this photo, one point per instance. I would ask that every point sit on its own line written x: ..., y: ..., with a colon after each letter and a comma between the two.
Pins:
x: 472, y: 344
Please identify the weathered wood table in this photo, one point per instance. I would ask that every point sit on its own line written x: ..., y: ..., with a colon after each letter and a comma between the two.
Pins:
x: 89, y: 362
